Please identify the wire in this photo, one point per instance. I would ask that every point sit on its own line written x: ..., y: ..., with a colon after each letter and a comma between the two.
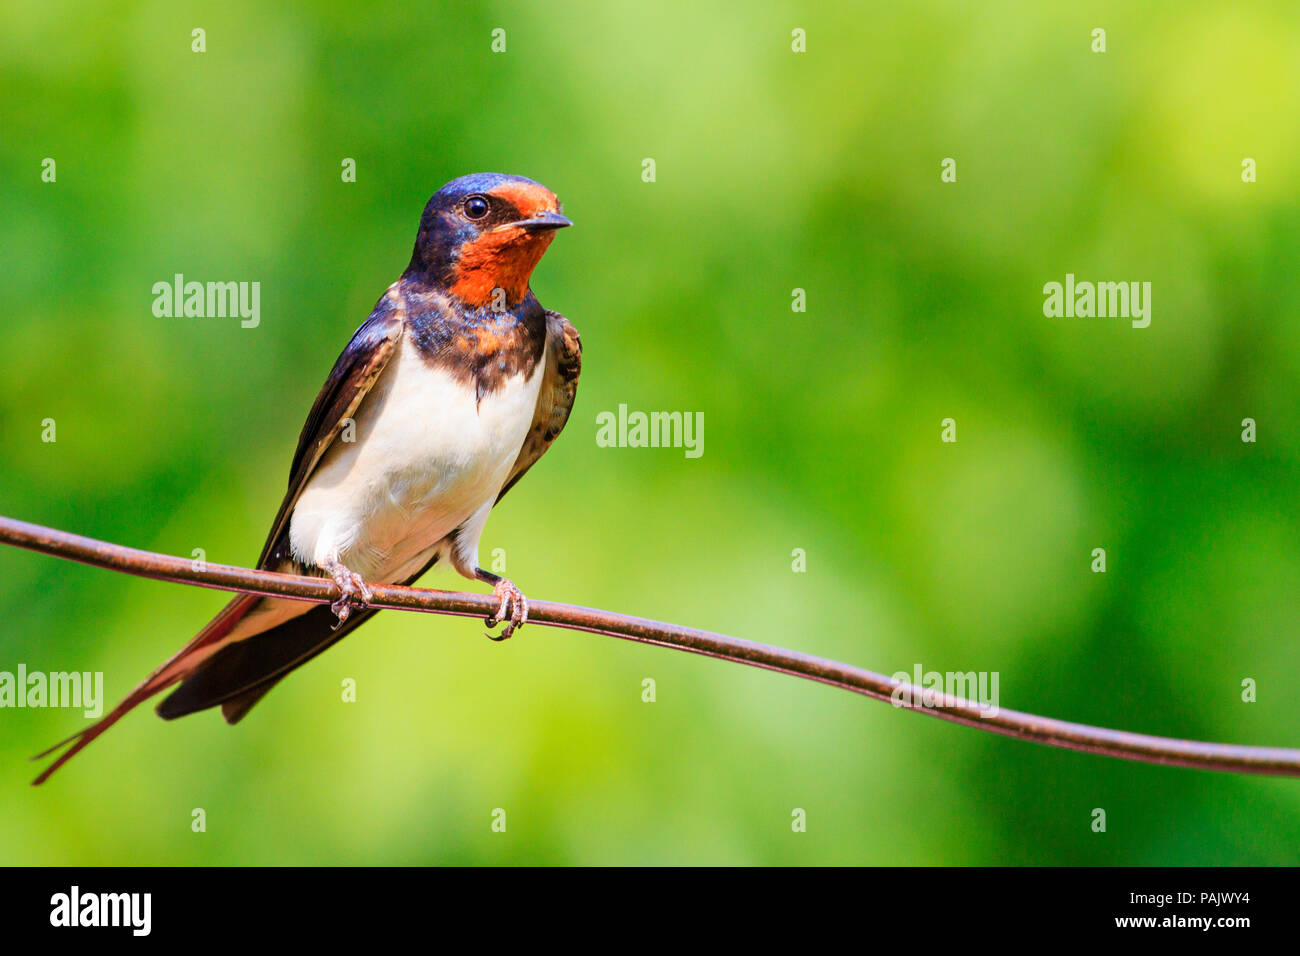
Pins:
x: 1044, y: 730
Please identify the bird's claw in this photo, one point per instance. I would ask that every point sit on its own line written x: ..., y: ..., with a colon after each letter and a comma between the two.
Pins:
x: 353, y: 592
x: 513, y: 609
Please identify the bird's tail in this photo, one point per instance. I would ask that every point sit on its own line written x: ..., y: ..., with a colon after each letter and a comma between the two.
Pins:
x: 173, y: 669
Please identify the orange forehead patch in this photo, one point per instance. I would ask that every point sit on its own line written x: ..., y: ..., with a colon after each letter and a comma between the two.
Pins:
x: 528, y: 198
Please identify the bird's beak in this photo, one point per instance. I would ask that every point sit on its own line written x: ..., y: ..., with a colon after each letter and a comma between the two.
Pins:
x: 540, y: 222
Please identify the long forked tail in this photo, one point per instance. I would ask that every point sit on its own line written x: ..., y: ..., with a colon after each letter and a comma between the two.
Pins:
x: 172, y: 670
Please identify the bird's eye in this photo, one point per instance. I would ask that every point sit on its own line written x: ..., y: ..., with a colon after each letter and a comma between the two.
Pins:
x: 476, y: 207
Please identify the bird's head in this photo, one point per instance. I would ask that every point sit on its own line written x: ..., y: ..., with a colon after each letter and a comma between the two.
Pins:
x: 486, y: 232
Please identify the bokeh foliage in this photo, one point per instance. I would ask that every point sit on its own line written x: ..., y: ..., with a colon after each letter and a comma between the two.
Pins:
x: 775, y: 171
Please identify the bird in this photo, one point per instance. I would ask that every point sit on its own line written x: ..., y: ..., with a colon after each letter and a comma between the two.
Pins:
x: 447, y: 394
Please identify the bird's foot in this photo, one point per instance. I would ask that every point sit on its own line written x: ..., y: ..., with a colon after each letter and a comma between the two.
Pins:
x: 514, y: 609
x: 353, y: 592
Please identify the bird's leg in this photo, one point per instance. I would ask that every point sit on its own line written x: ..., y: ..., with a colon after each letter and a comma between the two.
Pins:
x: 352, y: 590
x: 514, y: 606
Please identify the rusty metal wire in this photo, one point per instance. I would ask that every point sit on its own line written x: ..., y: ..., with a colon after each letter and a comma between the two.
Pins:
x: 1010, y: 723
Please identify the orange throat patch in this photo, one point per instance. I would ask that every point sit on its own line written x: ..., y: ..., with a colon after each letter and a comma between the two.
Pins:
x: 502, y: 259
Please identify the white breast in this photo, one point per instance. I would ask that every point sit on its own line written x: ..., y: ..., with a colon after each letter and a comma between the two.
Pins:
x: 425, y: 458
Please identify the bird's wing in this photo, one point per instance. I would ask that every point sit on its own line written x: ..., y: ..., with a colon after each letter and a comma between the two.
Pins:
x: 356, y: 370
x: 555, y: 399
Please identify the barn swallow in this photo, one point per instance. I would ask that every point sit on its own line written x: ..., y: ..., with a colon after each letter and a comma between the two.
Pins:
x: 447, y: 394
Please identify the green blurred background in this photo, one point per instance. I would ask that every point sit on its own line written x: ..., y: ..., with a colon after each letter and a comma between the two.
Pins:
x: 775, y: 171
